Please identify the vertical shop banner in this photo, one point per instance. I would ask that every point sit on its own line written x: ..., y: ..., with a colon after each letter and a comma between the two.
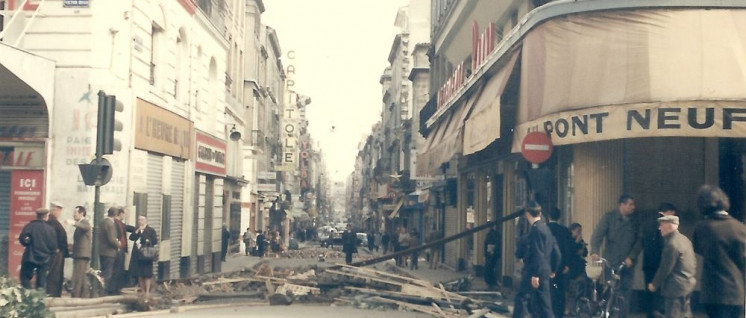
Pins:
x: 26, y: 195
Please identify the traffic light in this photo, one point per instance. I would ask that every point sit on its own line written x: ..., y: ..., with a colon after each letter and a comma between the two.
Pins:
x: 108, y: 106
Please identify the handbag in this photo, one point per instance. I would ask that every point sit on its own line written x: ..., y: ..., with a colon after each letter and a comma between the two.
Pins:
x: 148, y: 253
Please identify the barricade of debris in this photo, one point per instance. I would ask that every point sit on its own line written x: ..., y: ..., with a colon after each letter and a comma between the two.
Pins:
x: 339, y: 285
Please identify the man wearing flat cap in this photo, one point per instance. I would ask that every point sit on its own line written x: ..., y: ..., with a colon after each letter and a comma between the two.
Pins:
x: 57, y: 262
x: 675, y: 276
x: 652, y: 243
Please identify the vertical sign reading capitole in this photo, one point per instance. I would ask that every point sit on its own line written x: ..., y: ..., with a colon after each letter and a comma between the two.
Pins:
x: 26, y: 195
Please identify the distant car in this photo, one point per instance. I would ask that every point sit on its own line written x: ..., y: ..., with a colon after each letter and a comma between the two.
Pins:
x: 362, y: 238
x: 334, y: 238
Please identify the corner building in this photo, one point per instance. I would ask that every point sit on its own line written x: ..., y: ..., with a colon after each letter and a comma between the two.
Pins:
x: 639, y: 97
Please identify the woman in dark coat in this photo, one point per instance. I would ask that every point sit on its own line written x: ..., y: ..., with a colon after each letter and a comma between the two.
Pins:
x: 143, y: 236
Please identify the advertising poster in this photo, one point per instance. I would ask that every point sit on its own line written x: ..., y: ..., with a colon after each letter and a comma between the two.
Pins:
x: 26, y: 195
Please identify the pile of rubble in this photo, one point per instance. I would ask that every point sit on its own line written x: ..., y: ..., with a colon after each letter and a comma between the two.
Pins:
x: 338, y: 285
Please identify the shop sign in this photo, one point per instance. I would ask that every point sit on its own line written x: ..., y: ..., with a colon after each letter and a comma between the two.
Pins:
x: 161, y: 131
x: 21, y: 157
x: 266, y: 187
x: 666, y: 119
x: 75, y: 3
x: 449, y: 89
x: 210, y: 156
x: 26, y: 195
x: 267, y: 175
x: 482, y: 44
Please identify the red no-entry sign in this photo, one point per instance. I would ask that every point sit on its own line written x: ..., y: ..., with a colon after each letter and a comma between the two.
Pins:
x: 536, y: 147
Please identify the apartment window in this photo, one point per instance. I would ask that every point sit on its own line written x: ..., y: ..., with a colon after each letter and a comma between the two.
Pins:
x: 155, y: 40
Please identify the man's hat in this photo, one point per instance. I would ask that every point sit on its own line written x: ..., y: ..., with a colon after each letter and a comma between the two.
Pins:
x: 42, y: 211
x: 56, y: 204
x: 669, y: 218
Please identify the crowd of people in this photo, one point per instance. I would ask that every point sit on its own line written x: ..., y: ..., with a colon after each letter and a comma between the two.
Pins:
x: 554, y: 259
x: 46, y: 247
x: 554, y: 256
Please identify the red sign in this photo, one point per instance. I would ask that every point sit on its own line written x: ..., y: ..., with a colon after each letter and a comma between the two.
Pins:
x: 536, y: 147
x: 211, y: 154
x: 451, y: 86
x: 481, y: 44
x: 26, y: 195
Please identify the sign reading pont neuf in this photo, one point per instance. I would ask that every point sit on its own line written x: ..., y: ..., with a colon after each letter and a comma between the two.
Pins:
x: 673, y: 119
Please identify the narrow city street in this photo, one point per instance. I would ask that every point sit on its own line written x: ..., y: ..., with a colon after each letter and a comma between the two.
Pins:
x: 385, y: 158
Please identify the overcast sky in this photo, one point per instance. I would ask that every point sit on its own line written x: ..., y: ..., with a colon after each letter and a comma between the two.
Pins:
x: 341, y: 49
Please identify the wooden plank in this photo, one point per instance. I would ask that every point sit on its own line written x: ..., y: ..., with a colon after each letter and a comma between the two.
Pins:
x: 404, y: 279
x: 366, y: 278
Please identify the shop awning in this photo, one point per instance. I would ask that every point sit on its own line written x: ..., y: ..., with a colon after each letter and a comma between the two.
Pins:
x: 446, y: 141
x: 26, y: 93
x: 631, y: 74
x: 483, y: 125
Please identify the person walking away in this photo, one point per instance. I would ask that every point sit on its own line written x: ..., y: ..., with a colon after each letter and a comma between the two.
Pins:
x: 678, y: 266
x: 492, y: 255
x: 376, y: 240
x: 225, y: 239
x: 108, y: 247
x: 403, y: 244
x: 385, y: 239
x: 436, y: 249
x: 248, y: 239
x: 558, y: 286
x: 540, y: 255
x: 57, y: 263
x: 261, y: 244
x: 721, y: 240
x: 348, y: 243
x: 577, y: 279
x: 371, y: 241
x: 652, y: 244
x: 620, y: 231
x: 81, y: 252
x: 40, y: 242
x: 414, y: 240
x: 141, y: 267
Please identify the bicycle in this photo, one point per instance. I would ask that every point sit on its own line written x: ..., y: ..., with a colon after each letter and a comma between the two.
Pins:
x: 608, y: 302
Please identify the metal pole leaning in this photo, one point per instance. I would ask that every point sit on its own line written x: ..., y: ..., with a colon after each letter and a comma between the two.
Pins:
x: 436, y: 242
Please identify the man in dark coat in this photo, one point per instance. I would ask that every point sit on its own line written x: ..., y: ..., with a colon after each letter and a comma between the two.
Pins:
x: 652, y: 243
x: 108, y: 247
x: 576, y: 276
x: 492, y: 255
x: 678, y: 266
x: 119, y: 276
x: 225, y: 239
x: 620, y: 229
x: 81, y: 252
x: 721, y: 240
x: 261, y: 243
x: 57, y: 263
x: 565, y: 241
x: 40, y: 240
x: 348, y: 243
x: 540, y: 255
